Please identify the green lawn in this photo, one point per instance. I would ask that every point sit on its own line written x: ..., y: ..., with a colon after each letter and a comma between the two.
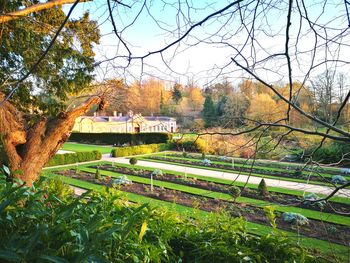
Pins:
x: 310, y: 243
x: 248, y: 166
x: 232, y: 171
x: 79, y: 147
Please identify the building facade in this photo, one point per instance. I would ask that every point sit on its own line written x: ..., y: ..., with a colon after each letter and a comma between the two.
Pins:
x: 123, y: 124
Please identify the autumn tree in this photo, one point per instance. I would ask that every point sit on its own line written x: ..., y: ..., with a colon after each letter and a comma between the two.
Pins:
x: 39, y: 69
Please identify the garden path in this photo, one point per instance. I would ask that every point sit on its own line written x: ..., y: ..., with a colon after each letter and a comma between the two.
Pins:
x: 318, y: 189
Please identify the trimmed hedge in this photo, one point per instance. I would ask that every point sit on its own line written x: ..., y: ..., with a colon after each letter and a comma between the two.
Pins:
x: 140, y: 149
x: 198, y: 145
x: 69, y: 158
x: 120, y: 138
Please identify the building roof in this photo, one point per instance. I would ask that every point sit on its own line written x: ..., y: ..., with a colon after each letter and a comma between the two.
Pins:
x: 126, y: 118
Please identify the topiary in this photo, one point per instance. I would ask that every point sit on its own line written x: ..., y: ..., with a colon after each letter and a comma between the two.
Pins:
x: 97, y: 174
x: 203, y: 155
x: 184, y: 154
x: 234, y: 191
x: 133, y: 161
x: 262, y: 188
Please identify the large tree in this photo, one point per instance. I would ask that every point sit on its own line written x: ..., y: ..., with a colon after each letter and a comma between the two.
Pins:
x: 44, y: 58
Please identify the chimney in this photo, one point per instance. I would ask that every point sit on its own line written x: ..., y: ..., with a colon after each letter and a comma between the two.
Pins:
x: 115, y: 113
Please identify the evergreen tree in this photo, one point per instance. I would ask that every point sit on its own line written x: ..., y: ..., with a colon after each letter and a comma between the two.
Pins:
x: 177, y: 95
x: 262, y: 188
x: 208, y: 112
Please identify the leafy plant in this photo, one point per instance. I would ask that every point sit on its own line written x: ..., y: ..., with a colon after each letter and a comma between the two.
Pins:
x: 157, y: 172
x: 206, y: 162
x: 262, y: 188
x: 338, y: 179
x: 310, y: 199
x: 270, y: 214
x: 203, y: 155
x: 133, y: 160
x: 234, y: 191
x: 122, y: 180
x: 184, y: 154
x: 295, y: 218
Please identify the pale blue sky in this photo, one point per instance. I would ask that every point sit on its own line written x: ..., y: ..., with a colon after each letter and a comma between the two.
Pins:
x: 201, y: 62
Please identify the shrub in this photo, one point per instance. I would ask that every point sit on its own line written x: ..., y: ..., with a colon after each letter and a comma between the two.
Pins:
x: 298, y: 172
x: 69, y: 158
x: 122, y: 180
x: 310, y: 199
x: 120, y: 138
x: 93, y: 230
x: 97, y: 174
x: 140, y: 149
x: 133, y: 161
x: 206, y: 162
x: 295, y: 218
x: 234, y: 191
x: 184, y: 154
x: 262, y: 188
x: 338, y: 179
x: 157, y: 172
x: 203, y: 155
x: 198, y: 145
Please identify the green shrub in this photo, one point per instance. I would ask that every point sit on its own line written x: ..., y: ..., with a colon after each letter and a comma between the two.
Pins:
x: 98, y: 174
x: 69, y: 158
x: 140, y: 149
x: 133, y: 161
x: 184, y: 154
x: 38, y: 227
x: 198, y: 145
x: 203, y: 156
x: 120, y: 138
x: 262, y: 188
x: 234, y: 191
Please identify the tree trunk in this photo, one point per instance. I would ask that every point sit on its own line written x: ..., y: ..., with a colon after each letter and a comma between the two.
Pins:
x: 28, y: 149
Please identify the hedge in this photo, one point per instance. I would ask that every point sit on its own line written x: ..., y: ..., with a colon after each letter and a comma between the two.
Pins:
x: 69, y: 158
x: 198, y: 145
x: 120, y: 138
x: 140, y: 149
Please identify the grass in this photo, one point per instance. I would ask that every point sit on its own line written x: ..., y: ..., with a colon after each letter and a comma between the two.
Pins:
x: 310, y: 243
x: 80, y: 147
x: 231, y: 171
x: 337, y: 219
x: 248, y: 166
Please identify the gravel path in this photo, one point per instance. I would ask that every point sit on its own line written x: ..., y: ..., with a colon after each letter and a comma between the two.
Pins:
x: 318, y: 189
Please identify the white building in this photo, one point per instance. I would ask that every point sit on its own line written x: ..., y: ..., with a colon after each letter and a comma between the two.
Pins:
x: 122, y: 124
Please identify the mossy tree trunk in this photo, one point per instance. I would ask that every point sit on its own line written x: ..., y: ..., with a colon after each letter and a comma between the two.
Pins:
x: 28, y: 147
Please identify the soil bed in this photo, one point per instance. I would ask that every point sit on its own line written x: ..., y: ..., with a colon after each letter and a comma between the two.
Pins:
x: 273, y: 197
x: 316, y: 229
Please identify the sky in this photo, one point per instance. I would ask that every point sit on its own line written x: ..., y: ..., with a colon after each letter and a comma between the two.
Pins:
x: 204, y: 56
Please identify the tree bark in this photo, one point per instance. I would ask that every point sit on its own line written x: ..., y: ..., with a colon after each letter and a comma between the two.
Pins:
x: 29, y: 149
x: 35, y: 8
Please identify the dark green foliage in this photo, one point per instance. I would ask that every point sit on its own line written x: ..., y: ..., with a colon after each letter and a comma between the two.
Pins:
x: 262, y: 188
x: 67, y: 67
x: 203, y: 156
x: 120, y: 138
x: 140, y: 149
x: 209, y: 113
x: 176, y: 94
x: 184, y: 154
x: 234, y: 191
x: 36, y: 226
x: 332, y: 153
x: 133, y: 161
x: 298, y: 172
x: 98, y: 174
x: 68, y: 158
